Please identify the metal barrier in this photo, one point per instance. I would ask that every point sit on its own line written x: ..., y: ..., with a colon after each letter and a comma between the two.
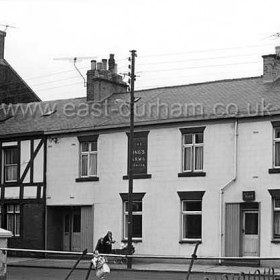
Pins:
x: 268, y: 274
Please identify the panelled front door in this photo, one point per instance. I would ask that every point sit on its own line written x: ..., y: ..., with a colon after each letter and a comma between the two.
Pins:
x: 250, y: 233
x: 72, y: 229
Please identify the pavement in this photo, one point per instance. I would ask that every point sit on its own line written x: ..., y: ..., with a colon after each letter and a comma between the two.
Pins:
x: 139, y: 266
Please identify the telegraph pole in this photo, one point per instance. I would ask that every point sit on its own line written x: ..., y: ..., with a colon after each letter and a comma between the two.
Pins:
x: 130, y: 157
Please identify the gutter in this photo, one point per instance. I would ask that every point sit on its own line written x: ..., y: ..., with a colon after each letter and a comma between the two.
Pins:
x: 224, y: 188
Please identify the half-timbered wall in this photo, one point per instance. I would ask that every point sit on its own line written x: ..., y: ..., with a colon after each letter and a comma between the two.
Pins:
x: 23, y: 195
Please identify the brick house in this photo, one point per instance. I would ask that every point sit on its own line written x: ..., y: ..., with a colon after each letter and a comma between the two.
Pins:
x: 206, y: 166
x: 13, y: 89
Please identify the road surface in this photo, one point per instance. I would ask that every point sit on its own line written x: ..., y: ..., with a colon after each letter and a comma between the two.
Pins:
x: 29, y: 273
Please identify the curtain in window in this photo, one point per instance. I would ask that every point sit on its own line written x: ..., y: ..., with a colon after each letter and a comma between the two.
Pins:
x: 11, y: 156
x: 277, y: 224
x: 10, y: 222
x: 188, y: 158
x: 10, y: 173
x: 84, y: 167
x: 277, y: 154
x: 198, y: 158
x: 10, y: 164
x: 93, y: 164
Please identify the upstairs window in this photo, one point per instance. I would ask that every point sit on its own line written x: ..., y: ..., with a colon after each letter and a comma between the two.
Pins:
x: 10, y: 164
x: 88, y: 156
x: 276, y: 147
x: 192, y: 149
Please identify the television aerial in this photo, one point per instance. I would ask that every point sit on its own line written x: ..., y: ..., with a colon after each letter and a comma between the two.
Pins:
x: 75, y: 60
x: 7, y: 26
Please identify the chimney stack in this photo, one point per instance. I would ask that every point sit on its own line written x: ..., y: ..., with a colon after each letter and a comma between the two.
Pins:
x: 2, y: 43
x: 102, y: 82
x: 271, y: 66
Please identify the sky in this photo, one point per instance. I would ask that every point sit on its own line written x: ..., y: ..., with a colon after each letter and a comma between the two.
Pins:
x: 177, y: 42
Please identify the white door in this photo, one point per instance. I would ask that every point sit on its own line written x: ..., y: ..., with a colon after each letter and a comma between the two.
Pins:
x: 72, y: 230
x: 250, y: 233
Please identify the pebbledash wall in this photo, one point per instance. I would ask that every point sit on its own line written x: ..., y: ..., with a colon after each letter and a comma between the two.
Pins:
x: 161, y: 203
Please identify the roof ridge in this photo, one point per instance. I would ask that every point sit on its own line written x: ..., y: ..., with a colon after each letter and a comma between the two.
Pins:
x: 202, y: 83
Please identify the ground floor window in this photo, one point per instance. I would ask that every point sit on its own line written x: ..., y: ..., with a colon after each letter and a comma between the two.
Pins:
x: 137, y: 215
x: 276, y: 218
x: 136, y: 219
x: 275, y: 196
x: 13, y: 219
x: 191, y: 219
x: 191, y: 215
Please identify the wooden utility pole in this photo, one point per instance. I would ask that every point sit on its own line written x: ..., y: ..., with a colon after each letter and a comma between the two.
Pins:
x: 130, y: 156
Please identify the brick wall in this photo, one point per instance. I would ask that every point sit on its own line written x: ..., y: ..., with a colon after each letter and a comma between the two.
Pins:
x: 32, y: 231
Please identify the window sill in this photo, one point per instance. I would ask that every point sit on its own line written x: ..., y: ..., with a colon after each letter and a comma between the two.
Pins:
x: 192, y: 174
x: 87, y: 179
x: 273, y: 170
x: 189, y: 241
x: 139, y: 176
x: 133, y: 240
x: 276, y: 241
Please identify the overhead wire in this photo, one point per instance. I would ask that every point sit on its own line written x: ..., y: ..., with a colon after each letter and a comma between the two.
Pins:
x: 150, y: 63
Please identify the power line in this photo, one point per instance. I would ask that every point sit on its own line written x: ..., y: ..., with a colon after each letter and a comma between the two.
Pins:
x: 202, y: 51
x: 197, y: 67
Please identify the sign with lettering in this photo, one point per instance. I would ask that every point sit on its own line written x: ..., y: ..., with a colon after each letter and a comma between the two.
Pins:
x: 139, y: 152
x: 139, y: 155
x: 248, y: 195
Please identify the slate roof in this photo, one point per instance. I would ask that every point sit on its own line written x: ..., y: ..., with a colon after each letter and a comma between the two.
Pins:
x: 184, y: 103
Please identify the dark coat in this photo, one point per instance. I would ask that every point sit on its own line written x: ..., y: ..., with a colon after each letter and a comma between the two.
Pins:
x: 107, y: 244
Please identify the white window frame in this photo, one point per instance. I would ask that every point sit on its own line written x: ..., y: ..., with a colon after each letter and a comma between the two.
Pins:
x: 188, y: 213
x: 5, y: 165
x: 275, y: 210
x: 193, y: 147
x: 125, y: 218
x: 88, y: 153
x: 275, y: 140
x: 14, y: 214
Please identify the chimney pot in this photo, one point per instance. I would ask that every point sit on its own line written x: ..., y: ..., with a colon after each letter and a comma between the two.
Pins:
x: 111, y: 63
x: 115, y: 71
x: 93, y: 65
x: 99, y: 65
x: 277, y: 51
x: 104, y: 64
x: 2, y: 43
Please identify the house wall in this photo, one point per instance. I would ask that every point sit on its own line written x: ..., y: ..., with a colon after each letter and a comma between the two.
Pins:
x: 161, y: 203
x: 254, y: 159
x: 28, y: 193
